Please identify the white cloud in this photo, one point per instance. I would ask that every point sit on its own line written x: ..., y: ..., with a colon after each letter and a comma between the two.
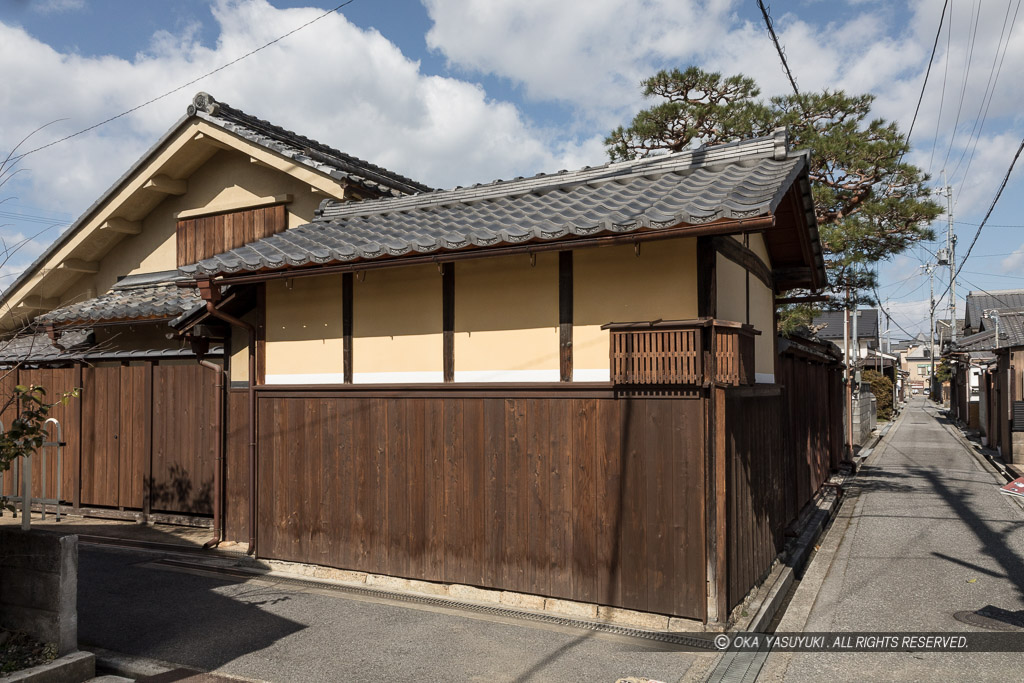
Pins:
x: 1014, y: 261
x: 335, y: 82
x: 56, y: 6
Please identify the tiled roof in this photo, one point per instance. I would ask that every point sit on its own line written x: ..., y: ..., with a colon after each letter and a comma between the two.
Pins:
x: 979, y: 302
x: 738, y: 180
x: 1011, y: 334
x: 301, y: 149
x: 137, y: 299
x: 867, y: 325
x: 37, y: 348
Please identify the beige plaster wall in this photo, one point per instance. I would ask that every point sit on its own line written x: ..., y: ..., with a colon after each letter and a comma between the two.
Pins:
x: 397, y: 326
x: 733, y: 287
x: 227, y: 179
x: 506, y: 319
x: 303, y: 331
x: 614, y: 284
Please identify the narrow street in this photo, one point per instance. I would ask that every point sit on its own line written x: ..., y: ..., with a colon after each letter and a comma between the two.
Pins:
x: 923, y: 534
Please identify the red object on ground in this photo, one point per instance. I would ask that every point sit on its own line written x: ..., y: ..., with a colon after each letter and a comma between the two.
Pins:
x: 1014, y: 488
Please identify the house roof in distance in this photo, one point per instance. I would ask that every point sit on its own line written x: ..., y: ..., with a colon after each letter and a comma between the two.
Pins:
x: 867, y: 325
x: 979, y: 302
x: 744, y: 180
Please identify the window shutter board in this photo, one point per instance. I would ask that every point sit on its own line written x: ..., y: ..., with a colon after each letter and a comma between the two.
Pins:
x: 203, y: 237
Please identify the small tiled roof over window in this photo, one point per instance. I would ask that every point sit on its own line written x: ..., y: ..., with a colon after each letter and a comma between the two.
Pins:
x: 147, y: 297
x: 744, y: 180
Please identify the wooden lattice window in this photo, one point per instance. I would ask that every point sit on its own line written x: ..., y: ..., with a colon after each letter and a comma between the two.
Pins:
x: 682, y: 352
x: 206, y: 236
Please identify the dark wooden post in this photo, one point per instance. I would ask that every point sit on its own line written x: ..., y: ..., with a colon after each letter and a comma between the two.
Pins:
x: 147, y: 436
x: 76, y: 500
x: 346, y: 324
x: 448, y: 319
x: 707, y: 261
x: 565, y: 315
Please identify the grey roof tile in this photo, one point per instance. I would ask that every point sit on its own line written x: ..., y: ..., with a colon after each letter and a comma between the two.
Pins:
x: 867, y: 326
x: 728, y: 181
x: 303, y: 150
x: 979, y: 302
x: 127, y: 303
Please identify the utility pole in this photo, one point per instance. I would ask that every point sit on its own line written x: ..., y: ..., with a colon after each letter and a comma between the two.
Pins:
x: 949, y: 258
x: 930, y: 268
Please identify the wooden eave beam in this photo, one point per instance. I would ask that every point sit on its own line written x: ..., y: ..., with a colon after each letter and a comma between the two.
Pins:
x: 75, y: 265
x: 166, y: 185
x: 744, y: 257
x: 38, y: 303
x: 207, y: 139
x: 121, y: 226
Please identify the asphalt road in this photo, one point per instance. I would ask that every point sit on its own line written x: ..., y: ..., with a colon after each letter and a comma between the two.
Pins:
x: 278, y: 632
x: 923, y: 535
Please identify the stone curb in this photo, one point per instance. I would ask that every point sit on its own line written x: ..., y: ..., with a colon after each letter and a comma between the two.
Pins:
x: 74, y: 667
x: 129, y: 666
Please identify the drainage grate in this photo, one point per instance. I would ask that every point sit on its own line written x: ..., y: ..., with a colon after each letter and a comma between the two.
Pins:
x: 681, y: 640
x: 993, y: 618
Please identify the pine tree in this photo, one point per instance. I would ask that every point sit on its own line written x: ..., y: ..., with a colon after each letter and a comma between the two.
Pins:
x: 869, y: 204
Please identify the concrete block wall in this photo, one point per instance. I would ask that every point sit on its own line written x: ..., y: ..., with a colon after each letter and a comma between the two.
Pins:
x: 865, y: 416
x: 39, y: 586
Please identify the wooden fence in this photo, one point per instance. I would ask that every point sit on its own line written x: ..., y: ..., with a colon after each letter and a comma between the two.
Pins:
x: 598, y: 500
x: 782, y: 443
x: 141, y: 434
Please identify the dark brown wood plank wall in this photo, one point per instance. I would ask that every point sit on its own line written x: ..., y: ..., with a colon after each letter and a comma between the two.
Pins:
x: 585, y: 499
x: 184, y: 438
x: 236, y: 466
x: 8, y: 380
x: 101, y: 418
x: 781, y: 447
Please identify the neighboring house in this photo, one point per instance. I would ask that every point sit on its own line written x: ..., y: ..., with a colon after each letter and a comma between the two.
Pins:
x: 916, y: 362
x: 567, y: 385
x: 988, y: 384
x: 93, y: 309
x: 979, y: 305
x: 831, y: 324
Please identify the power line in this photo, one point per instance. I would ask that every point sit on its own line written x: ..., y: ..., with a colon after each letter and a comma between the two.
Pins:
x: 182, y: 87
x: 976, y: 19
x: 990, y: 89
x: 942, y: 97
x: 995, y: 199
x: 924, y: 85
x: 778, y: 46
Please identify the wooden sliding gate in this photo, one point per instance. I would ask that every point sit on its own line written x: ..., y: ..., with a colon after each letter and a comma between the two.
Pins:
x: 140, y: 434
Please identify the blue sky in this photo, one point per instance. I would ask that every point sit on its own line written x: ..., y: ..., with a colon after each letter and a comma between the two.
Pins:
x: 461, y: 91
